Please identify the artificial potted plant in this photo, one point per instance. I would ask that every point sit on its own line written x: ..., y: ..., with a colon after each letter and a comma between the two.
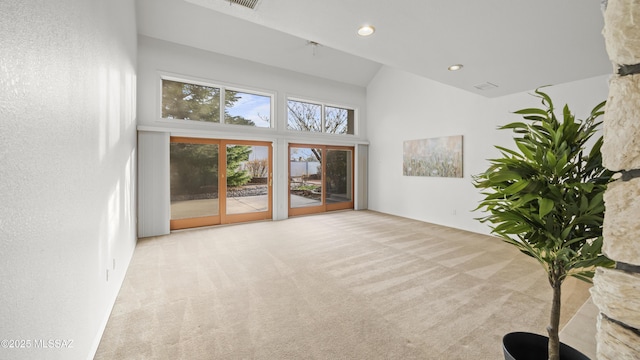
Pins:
x: 546, y: 198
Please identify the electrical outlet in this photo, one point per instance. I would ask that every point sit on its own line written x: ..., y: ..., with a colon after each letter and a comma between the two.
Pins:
x: 114, y: 265
x: 107, y: 275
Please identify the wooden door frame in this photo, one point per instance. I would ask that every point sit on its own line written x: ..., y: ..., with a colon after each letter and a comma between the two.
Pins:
x: 323, y: 207
x: 254, y: 216
x: 222, y: 217
x: 202, y: 220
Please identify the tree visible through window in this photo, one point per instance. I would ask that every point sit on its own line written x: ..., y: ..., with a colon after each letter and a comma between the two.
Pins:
x: 242, y: 108
x: 338, y: 120
x: 190, y: 101
x: 195, y: 166
x: 311, y: 117
x: 304, y: 116
x: 186, y: 101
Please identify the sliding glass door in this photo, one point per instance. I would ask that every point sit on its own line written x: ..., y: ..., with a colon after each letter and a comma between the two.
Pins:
x: 248, y: 181
x: 219, y: 181
x: 320, y: 178
x: 194, y: 165
x: 338, y: 180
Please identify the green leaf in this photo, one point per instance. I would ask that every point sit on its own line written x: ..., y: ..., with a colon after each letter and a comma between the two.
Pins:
x: 558, y: 137
x: 505, y: 175
x: 516, y: 187
x: 532, y: 111
x: 551, y: 159
x: 546, y: 205
x: 596, y: 201
x: 525, y: 150
x: 514, y: 125
x: 561, y: 165
x: 584, y: 204
x: 596, y: 110
x: 546, y: 100
x: 535, y: 117
x: 546, y: 196
x: 508, y: 151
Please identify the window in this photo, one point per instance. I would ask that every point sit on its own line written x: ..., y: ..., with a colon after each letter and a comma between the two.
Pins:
x: 313, y: 117
x: 198, y: 102
x: 242, y: 108
x: 190, y: 101
x: 304, y: 116
x: 338, y: 120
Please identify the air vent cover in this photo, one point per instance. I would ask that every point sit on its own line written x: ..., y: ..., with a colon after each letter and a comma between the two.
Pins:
x: 485, y: 86
x: 251, y: 4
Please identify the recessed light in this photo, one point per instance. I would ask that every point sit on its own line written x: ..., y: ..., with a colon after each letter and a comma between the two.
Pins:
x: 366, y: 30
x: 455, y: 67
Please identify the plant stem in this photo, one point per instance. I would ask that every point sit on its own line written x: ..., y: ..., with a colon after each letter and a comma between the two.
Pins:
x: 553, y: 329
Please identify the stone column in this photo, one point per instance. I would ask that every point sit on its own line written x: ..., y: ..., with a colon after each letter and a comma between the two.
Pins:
x: 616, y: 292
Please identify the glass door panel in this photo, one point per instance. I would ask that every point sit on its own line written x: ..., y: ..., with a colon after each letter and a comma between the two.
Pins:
x: 338, y: 180
x: 305, y: 177
x: 248, y: 178
x: 219, y: 181
x: 320, y: 178
x: 194, y: 183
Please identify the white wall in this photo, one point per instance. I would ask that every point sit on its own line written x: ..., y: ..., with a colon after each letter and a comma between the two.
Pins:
x: 402, y: 106
x: 68, y: 169
x: 158, y: 57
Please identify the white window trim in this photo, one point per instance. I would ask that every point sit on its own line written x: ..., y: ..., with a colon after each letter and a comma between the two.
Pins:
x: 222, y: 87
x: 322, y: 116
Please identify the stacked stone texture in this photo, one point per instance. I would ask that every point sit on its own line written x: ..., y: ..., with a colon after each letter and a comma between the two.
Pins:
x: 617, y: 292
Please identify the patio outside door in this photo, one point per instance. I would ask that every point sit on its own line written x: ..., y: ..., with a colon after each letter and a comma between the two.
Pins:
x: 320, y: 178
x: 219, y: 181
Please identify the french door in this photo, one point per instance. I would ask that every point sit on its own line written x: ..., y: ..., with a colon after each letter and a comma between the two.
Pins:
x: 320, y: 178
x: 219, y: 181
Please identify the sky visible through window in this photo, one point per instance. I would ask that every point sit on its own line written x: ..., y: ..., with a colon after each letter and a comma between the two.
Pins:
x: 301, y: 154
x: 256, y: 108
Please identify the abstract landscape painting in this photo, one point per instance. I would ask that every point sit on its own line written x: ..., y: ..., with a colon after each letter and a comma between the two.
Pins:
x: 440, y: 157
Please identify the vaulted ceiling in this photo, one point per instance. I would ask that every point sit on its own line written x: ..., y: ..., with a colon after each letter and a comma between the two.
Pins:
x: 506, y: 46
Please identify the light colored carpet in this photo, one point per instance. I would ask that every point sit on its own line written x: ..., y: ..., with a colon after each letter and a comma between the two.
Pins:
x: 342, y: 285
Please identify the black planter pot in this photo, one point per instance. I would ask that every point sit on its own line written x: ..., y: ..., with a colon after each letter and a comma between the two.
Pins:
x: 529, y: 346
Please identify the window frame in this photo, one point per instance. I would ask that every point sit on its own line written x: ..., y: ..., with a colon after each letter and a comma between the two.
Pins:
x: 342, y: 107
x: 223, y: 87
x: 323, y: 119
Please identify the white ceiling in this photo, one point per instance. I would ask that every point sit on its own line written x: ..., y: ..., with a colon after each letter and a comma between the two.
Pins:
x: 516, y: 44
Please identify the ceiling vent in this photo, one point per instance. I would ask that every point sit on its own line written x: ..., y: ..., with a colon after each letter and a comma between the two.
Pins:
x: 251, y: 4
x: 485, y: 86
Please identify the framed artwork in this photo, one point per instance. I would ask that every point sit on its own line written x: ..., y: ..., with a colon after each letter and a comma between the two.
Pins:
x: 441, y: 157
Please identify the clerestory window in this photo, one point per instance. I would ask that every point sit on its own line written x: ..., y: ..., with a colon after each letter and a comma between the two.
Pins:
x: 317, y: 117
x: 183, y: 100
